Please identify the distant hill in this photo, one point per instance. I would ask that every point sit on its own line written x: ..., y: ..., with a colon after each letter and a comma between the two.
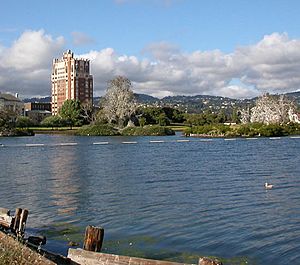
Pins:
x: 191, y: 104
x: 44, y: 99
x: 295, y: 96
x: 145, y: 98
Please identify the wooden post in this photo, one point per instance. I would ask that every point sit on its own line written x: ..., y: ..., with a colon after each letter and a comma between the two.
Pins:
x: 17, y: 220
x: 23, y: 220
x: 93, y: 238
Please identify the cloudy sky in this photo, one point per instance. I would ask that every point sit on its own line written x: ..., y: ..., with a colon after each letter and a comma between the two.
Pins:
x: 234, y: 48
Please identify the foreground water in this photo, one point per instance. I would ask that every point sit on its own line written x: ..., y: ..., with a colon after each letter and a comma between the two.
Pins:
x: 160, y: 197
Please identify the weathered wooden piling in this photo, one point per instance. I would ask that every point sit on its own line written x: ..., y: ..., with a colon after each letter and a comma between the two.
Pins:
x: 93, y: 238
x: 23, y: 220
x: 16, y: 222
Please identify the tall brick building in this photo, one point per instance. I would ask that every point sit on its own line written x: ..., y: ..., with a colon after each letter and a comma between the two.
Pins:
x: 71, y: 79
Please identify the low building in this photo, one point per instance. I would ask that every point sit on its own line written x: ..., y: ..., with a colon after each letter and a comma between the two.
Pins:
x: 37, y: 111
x: 11, y: 103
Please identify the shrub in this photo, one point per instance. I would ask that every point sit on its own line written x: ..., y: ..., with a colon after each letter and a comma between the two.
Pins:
x: 210, y: 130
x: 272, y: 130
x: 148, y: 130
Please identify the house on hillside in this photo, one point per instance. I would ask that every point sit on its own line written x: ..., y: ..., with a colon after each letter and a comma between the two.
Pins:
x: 11, y: 103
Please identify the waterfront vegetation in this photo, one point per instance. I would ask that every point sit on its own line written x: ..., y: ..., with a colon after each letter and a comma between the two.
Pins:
x: 108, y: 130
x: 244, y: 130
x: 119, y: 114
x: 11, y: 126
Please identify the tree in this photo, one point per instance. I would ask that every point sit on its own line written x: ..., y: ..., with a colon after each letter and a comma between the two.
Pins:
x: 23, y: 122
x: 87, y: 113
x: 119, y: 102
x: 142, y: 121
x: 7, y: 118
x: 269, y: 109
x: 71, y: 112
x: 163, y: 119
x: 52, y: 121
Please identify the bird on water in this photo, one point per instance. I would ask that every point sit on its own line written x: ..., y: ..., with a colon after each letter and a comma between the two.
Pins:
x: 268, y: 186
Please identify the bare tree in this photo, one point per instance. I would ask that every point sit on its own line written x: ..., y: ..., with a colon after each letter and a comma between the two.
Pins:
x: 119, y: 102
x: 269, y: 109
x: 245, y: 115
x: 87, y: 112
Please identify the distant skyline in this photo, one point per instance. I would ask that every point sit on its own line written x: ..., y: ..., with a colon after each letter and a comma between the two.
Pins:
x: 233, y: 48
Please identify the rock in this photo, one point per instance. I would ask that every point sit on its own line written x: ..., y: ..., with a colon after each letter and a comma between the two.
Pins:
x: 208, y: 261
x: 73, y: 244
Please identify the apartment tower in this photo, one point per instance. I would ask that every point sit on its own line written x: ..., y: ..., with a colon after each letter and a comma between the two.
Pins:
x: 71, y: 79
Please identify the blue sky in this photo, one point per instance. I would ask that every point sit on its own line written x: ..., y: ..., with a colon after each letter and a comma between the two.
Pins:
x: 144, y: 30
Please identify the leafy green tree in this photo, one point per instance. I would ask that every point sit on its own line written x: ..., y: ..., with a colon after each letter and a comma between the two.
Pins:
x: 71, y: 112
x: 24, y: 122
x: 221, y: 117
x: 7, y: 118
x: 151, y: 114
x: 142, y: 121
x: 52, y: 121
x: 163, y: 120
x: 235, y: 116
x: 177, y: 116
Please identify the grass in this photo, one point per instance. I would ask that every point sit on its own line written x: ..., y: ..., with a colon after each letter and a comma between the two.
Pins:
x: 178, y: 127
x: 12, y: 252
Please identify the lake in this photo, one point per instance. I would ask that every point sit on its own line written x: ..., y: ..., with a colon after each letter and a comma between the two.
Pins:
x: 160, y: 197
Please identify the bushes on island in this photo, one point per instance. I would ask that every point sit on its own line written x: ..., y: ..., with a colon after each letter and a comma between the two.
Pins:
x: 15, y: 132
x: 211, y: 130
x: 109, y: 130
x: 245, y: 130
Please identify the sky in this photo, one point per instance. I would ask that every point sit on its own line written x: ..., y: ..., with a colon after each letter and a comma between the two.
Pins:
x: 232, y: 48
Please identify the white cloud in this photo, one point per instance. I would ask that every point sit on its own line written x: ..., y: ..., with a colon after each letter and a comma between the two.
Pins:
x: 271, y: 65
x: 25, y: 67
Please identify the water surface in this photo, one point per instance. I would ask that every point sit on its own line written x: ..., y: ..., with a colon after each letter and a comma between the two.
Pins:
x: 164, y: 199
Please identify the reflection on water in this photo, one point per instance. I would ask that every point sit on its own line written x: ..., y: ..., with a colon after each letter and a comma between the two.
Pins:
x: 64, y: 171
x: 160, y: 200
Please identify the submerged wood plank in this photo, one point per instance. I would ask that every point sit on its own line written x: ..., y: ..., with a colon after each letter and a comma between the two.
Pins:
x: 84, y: 257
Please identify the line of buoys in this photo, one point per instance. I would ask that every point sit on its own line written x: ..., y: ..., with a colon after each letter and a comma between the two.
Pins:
x: 136, y: 142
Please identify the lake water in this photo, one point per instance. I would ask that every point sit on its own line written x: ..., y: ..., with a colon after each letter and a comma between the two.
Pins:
x: 160, y: 197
